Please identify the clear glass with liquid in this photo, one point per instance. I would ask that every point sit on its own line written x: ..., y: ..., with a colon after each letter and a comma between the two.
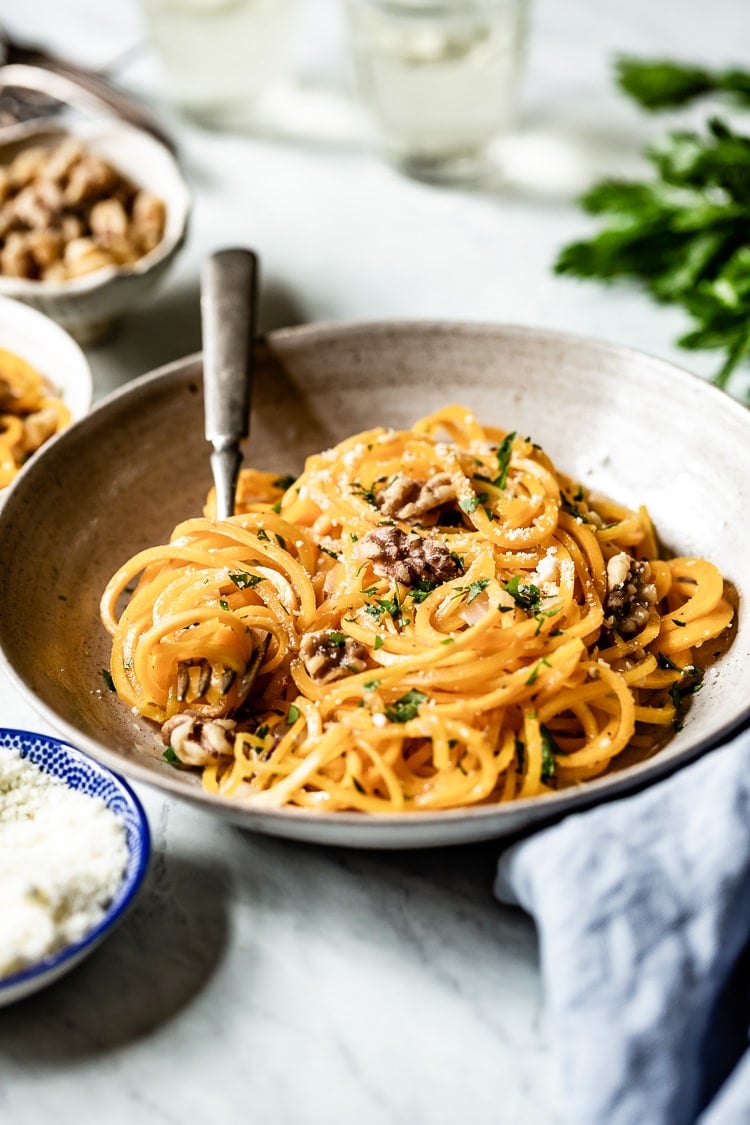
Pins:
x: 440, y: 77
x: 220, y: 56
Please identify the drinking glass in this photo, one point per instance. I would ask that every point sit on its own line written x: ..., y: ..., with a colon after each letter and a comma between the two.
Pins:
x: 440, y: 78
x: 220, y: 56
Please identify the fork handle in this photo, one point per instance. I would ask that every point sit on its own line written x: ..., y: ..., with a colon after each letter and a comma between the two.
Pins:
x: 228, y: 312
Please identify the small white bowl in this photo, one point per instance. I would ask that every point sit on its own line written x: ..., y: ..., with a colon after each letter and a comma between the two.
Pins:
x: 48, y: 348
x: 89, y: 306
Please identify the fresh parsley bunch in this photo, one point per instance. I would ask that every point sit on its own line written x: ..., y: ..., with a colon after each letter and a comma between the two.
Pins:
x: 685, y: 233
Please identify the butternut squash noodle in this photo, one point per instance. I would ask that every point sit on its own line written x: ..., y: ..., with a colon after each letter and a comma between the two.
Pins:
x: 30, y: 413
x: 425, y: 619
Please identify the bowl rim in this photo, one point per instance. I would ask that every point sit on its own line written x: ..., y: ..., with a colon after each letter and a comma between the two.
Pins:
x: 555, y: 805
x: 55, y: 963
x: 23, y: 288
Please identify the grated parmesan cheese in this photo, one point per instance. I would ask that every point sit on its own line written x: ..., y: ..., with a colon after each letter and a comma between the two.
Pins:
x: 62, y: 857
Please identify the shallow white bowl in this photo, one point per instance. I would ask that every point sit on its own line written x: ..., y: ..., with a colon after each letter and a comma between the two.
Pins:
x: 51, y: 350
x: 634, y: 427
x: 86, y: 776
x: 90, y: 305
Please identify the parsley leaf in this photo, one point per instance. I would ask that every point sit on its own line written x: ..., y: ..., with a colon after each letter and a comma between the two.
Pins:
x: 423, y: 588
x: 504, y: 451
x: 292, y: 715
x: 284, y: 483
x: 407, y: 707
x: 366, y: 494
x: 682, y: 233
x: 549, y: 749
x: 243, y: 580
x: 525, y: 595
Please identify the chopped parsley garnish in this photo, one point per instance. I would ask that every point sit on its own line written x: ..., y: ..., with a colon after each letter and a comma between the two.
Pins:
x: 681, y: 624
x: 371, y: 685
x: 107, y: 677
x: 535, y: 671
x: 572, y: 509
x: 473, y: 590
x: 276, y: 507
x: 664, y: 662
x: 170, y: 756
x: 366, y: 494
x: 262, y: 732
x: 391, y: 606
x: 541, y: 616
x: 284, y: 483
x: 679, y: 691
x: 504, y: 451
x: 263, y: 534
x: 338, y: 640
x: 353, y: 536
x: 470, y: 504
x: 407, y: 707
x: 423, y: 588
x: 243, y: 580
x: 223, y: 603
x: 549, y: 749
x: 292, y: 715
x: 520, y: 754
x: 357, y: 786
x: 332, y: 554
x: 525, y: 595
x: 369, y: 591
x: 281, y: 541
x: 458, y: 560
x: 379, y: 642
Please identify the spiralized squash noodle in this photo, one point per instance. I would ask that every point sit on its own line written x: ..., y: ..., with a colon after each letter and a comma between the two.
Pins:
x: 30, y: 413
x: 451, y: 621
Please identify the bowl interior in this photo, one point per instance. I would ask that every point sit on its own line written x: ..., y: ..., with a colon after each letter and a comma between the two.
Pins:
x: 631, y: 426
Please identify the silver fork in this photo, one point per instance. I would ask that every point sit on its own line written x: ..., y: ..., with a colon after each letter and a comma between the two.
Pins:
x: 228, y: 314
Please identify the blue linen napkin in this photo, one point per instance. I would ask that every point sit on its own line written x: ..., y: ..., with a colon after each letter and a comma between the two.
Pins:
x: 643, y: 912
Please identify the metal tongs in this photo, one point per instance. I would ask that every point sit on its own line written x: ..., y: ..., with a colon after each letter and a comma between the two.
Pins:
x: 228, y: 314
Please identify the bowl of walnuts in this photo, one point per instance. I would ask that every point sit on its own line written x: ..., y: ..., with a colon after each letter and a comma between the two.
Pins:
x: 90, y: 220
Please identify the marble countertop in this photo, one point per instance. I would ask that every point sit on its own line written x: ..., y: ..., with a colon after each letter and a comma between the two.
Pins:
x: 269, y: 981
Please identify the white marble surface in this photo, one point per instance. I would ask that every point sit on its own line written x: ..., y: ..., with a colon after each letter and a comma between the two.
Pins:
x: 265, y: 981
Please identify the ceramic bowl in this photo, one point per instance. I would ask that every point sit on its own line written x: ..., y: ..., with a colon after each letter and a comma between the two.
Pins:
x: 89, y: 306
x: 79, y: 772
x: 634, y: 427
x: 51, y: 350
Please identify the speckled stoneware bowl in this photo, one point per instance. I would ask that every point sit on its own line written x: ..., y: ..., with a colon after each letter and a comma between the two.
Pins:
x: 634, y: 427
x: 90, y: 306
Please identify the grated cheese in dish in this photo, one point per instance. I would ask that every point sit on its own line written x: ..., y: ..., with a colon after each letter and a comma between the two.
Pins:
x: 62, y: 857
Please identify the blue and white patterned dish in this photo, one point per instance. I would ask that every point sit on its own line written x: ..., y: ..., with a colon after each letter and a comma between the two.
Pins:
x: 80, y: 772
